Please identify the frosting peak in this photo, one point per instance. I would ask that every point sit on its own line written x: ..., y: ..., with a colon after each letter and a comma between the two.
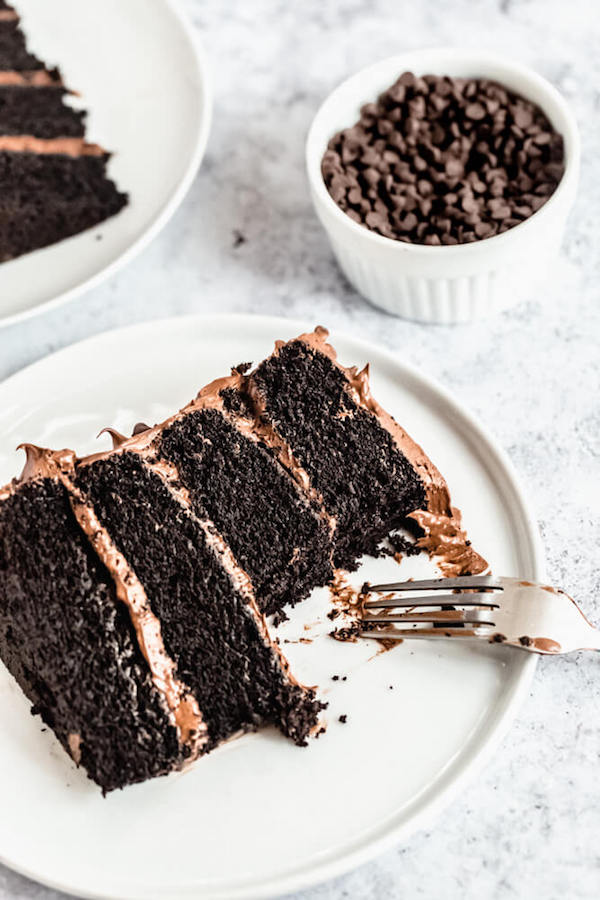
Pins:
x: 41, y: 462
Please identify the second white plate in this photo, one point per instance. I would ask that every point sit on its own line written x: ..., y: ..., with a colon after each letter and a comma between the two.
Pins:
x: 261, y: 817
x: 144, y: 81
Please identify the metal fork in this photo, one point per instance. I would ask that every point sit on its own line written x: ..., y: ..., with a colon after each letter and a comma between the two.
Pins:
x: 534, y: 617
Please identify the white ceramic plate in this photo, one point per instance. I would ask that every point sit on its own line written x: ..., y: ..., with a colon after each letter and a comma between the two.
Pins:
x: 261, y: 817
x: 144, y: 81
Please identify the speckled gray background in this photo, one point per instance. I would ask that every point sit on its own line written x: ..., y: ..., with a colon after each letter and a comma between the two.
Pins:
x: 531, y: 825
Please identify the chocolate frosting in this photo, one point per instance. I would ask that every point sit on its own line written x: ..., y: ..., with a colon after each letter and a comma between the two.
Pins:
x: 67, y: 146
x: 116, y: 436
x: 74, y: 742
x: 34, y: 78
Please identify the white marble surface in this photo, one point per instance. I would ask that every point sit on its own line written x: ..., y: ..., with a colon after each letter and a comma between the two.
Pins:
x: 531, y: 825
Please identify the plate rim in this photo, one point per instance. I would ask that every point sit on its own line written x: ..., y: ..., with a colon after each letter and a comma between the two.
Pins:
x: 460, y: 773
x: 204, y: 78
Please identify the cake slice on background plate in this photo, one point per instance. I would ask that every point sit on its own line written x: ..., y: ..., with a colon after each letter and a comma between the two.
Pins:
x: 53, y: 183
x: 134, y: 582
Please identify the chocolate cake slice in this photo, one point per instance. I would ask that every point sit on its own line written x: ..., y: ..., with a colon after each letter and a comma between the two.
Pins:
x: 372, y: 476
x: 134, y: 583
x: 53, y: 184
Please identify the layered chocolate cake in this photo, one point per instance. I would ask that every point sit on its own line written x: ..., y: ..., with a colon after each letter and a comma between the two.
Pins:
x: 134, y: 583
x: 53, y: 183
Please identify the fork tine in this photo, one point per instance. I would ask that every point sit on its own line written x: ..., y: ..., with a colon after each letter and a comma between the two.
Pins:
x: 433, y: 600
x: 401, y: 634
x: 443, y: 616
x: 435, y: 584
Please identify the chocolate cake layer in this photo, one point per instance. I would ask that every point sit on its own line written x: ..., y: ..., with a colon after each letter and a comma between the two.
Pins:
x: 38, y: 111
x: 209, y: 624
x: 47, y: 197
x: 70, y: 644
x: 13, y: 50
x: 278, y: 536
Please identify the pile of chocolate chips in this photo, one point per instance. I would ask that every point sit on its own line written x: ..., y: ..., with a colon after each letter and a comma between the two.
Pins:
x: 439, y: 160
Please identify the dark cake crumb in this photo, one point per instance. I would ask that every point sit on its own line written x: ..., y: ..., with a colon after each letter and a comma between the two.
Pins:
x: 401, y: 544
x: 348, y: 633
x: 279, y: 617
x: 343, y: 719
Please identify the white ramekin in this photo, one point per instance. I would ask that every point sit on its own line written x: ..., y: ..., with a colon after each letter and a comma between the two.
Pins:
x: 444, y: 284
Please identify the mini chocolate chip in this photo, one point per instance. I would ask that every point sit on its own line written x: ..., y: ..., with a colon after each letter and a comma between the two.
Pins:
x: 407, y: 79
x: 523, y: 116
x: 385, y: 127
x: 483, y: 229
x: 475, y: 111
x: 354, y: 215
x: 375, y: 220
x: 500, y: 212
x: 409, y: 222
x: 470, y: 205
